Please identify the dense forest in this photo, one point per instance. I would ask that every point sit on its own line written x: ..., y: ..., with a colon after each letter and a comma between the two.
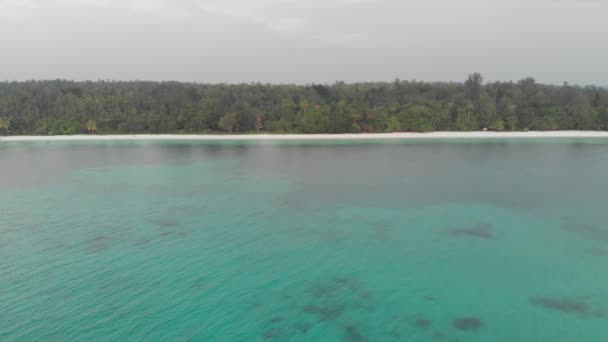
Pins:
x: 66, y: 107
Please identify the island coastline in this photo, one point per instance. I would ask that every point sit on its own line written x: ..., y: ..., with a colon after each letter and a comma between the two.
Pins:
x: 345, y: 136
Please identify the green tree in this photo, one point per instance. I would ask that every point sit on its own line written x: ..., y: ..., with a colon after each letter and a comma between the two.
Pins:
x: 393, y: 124
x: 467, y: 120
x: 548, y: 123
x: 5, y: 124
x: 506, y: 112
x: 603, y: 117
x: 417, y: 118
x: 473, y: 86
x: 281, y: 126
x: 497, y: 125
x: 563, y: 118
x: 227, y: 122
x: 340, y: 119
x: 487, y: 111
x: 583, y: 113
x: 314, y: 120
x: 91, y: 126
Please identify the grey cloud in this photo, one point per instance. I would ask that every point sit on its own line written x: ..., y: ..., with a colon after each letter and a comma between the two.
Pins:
x: 303, y: 41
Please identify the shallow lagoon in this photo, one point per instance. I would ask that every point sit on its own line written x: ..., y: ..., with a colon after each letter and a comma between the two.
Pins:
x: 469, y: 240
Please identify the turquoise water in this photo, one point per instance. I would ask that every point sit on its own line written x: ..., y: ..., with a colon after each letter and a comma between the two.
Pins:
x: 304, y: 241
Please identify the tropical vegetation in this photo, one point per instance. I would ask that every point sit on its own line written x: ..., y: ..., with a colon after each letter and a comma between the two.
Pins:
x: 103, y: 107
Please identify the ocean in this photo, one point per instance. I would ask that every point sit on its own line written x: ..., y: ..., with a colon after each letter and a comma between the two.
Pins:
x: 400, y: 240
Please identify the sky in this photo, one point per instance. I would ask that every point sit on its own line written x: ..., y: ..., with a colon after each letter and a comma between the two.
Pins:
x: 304, y: 41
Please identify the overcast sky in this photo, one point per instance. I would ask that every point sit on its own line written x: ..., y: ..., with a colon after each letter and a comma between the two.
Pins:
x: 303, y: 41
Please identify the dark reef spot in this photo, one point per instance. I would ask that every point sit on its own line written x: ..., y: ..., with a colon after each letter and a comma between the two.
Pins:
x: 598, y: 252
x: 293, y: 203
x: 429, y: 298
x: 273, y: 334
x: 331, y: 313
x: 193, y: 210
x: 352, y: 334
x: 598, y: 313
x: 366, y: 295
x: 467, y: 323
x: 175, y: 234
x: 286, y: 296
x: 311, y: 309
x: 585, y: 229
x: 166, y: 222
x: 255, y: 304
x: 259, y: 213
x: 98, y: 244
x: 334, y: 236
x: 303, y: 327
x: 323, y: 291
x: 382, y: 231
x: 52, y: 245
x: 438, y: 336
x: 422, y: 323
x: 276, y: 319
x: 334, y: 286
x: 198, y: 286
x: 395, y: 333
x: 364, y: 306
x: 326, y: 312
x: 340, y: 280
x: 482, y: 231
x: 567, y: 305
x: 383, y: 223
x: 141, y: 242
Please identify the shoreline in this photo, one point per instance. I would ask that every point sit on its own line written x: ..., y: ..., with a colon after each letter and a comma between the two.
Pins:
x: 344, y: 136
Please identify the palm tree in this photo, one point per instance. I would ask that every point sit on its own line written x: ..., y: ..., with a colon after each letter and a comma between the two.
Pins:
x: 91, y: 126
x: 227, y: 122
x: 5, y: 124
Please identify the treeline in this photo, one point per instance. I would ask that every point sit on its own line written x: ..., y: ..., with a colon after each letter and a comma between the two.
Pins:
x: 66, y: 107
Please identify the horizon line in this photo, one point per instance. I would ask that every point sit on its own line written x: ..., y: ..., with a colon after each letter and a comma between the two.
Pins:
x: 486, y: 82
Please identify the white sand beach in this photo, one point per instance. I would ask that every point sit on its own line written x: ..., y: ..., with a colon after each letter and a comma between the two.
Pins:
x: 346, y: 136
